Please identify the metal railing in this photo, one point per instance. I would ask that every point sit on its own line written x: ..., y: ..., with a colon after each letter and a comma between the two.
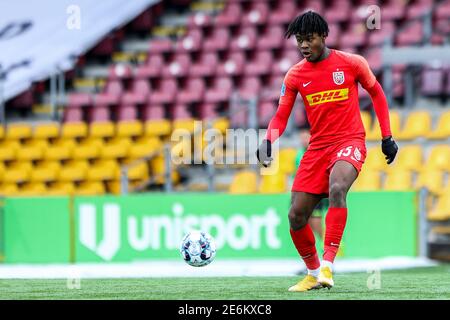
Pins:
x: 423, y: 223
x: 166, y: 152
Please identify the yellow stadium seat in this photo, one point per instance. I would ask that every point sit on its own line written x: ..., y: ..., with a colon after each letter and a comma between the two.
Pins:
x: 81, y: 84
x: 158, y: 169
x: 368, y: 180
x: 366, y: 120
x: 2, y: 132
x: 395, y: 121
x: 195, y: 186
x: 46, y: 131
x: 2, y: 170
x: 123, y: 57
x: 143, y: 147
x: 439, y: 158
x: 417, y: 124
x: 221, y: 124
x: 74, y: 130
x: 11, y: 144
x: 18, y: 131
x: 244, y: 182
x: 160, y: 127
x: 33, y: 189
x: 158, y: 165
x: 69, y: 142
x: 136, y: 170
x: 8, y: 189
x: 287, y: 160
x: 273, y: 183
x: 73, y: 170
x: 90, y: 188
x: 17, y: 172
x: 181, y: 151
x: 42, y: 108
x: 446, y: 188
x: 32, y: 150
x: 441, y: 211
x: 398, y: 181
x: 433, y: 180
x: 102, y: 170
x: 375, y: 159
x: 61, y: 188
x: 139, y: 171
x: 8, y: 149
x: 7, y: 154
x: 207, y: 6
x: 128, y: 129
x: 184, y: 124
x: 375, y: 133
x: 442, y: 130
x: 104, y: 129
x: 89, y: 148
x: 42, y: 143
x: 129, y: 57
x: 116, y: 148
x: 223, y: 185
x: 45, y: 171
x: 206, y: 145
x: 114, y: 186
x: 60, y: 149
x: 165, y: 31
x: 409, y: 157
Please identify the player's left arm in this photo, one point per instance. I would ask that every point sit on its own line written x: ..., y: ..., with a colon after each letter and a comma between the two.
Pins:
x: 369, y: 82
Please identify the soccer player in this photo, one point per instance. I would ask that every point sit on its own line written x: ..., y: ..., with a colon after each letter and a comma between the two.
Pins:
x: 327, y: 81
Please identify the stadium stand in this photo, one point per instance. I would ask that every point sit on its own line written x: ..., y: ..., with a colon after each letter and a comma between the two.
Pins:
x: 169, y: 67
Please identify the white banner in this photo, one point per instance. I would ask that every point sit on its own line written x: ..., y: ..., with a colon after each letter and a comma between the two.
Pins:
x: 37, y: 38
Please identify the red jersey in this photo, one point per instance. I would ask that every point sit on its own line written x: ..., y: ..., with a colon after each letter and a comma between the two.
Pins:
x: 330, y: 94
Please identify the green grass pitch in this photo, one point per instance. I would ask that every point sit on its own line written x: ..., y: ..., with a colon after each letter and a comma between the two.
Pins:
x: 419, y: 283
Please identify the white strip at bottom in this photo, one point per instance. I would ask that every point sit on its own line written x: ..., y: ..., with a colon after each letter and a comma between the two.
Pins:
x: 223, y: 268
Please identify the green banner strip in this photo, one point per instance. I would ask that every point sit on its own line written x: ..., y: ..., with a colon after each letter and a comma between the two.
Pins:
x: 150, y: 226
x: 2, y: 231
x: 36, y: 230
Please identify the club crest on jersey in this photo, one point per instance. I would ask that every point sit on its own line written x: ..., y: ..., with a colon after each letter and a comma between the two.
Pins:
x: 338, y: 77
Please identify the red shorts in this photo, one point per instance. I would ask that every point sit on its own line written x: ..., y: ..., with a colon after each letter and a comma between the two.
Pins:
x: 314, y: 170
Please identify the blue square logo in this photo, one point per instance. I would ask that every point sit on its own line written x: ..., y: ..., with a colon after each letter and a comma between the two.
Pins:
x: 283, y: 90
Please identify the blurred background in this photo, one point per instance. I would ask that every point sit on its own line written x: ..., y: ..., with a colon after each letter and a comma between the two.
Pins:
x: 90, y: 93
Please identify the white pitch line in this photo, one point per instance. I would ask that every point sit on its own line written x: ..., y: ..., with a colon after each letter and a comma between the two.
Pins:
x: 222, y: 268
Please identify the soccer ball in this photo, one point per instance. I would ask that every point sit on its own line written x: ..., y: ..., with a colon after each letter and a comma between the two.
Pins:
x: 198, y: 248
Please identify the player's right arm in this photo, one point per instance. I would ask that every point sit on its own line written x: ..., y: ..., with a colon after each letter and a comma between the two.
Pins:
x: 278, y: 123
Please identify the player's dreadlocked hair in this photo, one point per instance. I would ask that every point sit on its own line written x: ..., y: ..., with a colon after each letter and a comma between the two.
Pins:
x: 308, y: 23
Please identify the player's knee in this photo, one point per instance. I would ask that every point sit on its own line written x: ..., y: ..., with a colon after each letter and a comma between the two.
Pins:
x: 297, y: 218
x: 338, y: 193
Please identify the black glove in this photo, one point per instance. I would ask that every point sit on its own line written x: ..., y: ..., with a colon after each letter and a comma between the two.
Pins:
x: 389, y: 148
x: 264, y: 153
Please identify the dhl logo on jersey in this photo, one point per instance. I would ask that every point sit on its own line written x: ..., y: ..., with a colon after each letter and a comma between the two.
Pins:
x: 327, y: 96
